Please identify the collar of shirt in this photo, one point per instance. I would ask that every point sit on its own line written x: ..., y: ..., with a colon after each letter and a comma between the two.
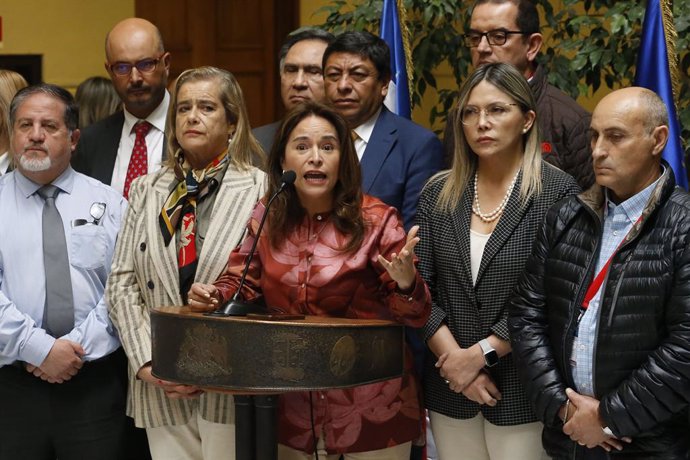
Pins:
x: 364, y: 131
x: 633, y: 206
x: 64, y: 182
x: 156, y: 118
x: 4, y: 162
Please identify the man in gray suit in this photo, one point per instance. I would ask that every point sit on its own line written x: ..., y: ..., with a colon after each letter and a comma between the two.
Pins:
x: 301, y: 75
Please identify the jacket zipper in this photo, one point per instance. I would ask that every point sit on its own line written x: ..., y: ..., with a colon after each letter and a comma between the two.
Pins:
x: 574, y: 315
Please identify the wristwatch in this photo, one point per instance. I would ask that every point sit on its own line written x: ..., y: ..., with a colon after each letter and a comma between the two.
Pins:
x: 490, y: 355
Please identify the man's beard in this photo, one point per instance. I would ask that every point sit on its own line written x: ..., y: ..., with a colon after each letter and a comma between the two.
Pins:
x: 35, y: 164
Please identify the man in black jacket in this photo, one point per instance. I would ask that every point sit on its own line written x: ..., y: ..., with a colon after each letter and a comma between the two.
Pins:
x: 600, y: 322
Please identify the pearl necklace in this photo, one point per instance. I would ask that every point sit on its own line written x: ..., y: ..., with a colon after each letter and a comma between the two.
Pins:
x: 496, y: 213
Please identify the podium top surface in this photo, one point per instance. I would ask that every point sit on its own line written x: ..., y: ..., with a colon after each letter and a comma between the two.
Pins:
x: 308, y: 320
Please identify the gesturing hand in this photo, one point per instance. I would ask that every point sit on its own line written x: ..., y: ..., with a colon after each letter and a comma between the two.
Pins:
x: 401, y: 267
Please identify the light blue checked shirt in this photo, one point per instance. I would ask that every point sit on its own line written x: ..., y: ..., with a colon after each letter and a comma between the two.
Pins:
x: 618, y: 220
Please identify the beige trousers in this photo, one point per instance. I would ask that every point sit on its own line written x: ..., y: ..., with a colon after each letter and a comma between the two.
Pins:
x: 199, y: 439
x: 477, y: 439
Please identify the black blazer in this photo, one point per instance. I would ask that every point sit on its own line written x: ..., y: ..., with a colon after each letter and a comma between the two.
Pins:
x: 473, y: 312
x: 97, y: 148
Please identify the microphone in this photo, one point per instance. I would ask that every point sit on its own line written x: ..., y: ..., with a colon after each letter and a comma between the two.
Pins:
x: 235, y: 306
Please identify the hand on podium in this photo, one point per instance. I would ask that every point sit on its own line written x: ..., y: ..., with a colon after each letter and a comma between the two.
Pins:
x: 203, y: 298
x: 172, y: 390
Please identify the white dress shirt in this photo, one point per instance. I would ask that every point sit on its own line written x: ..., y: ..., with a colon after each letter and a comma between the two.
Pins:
x: 364, y: 132
x: 155, y: 140
x: 4, y: 162
x: 22, y: 274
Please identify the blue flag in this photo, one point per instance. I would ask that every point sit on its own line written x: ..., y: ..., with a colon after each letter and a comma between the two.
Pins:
x: 398, y: 98
x: 653, y: 72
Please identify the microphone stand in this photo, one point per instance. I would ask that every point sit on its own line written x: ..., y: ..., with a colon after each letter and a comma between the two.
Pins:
x: 255, y: 416
x: 235, y: 306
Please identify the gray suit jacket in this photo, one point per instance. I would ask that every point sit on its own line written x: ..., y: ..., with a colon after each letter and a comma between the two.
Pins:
x: 145, y: 275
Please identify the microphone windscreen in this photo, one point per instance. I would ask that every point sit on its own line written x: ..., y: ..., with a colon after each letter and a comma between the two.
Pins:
x: 288, y: 177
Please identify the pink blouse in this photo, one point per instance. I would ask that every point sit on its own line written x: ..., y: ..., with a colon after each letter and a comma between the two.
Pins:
x: 309, y: 275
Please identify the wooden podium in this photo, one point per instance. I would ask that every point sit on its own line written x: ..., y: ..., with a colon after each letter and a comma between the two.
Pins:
x: 249, y: 355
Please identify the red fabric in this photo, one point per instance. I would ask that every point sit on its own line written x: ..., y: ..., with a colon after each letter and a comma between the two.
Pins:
x: 138, y: 163
x: 307, y: 274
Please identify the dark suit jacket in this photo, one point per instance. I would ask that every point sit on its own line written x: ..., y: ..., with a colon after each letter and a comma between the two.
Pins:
x: 265, y: 134
x: 97, y: 148
x: 473, y: 311
x: 399, y: 158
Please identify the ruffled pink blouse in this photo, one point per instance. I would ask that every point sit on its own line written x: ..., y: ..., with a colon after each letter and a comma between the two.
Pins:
x: 309, y: 275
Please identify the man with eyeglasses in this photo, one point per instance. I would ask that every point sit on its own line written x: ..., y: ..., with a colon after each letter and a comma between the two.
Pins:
x: 131, y: 142
x: 301, y: 75
x: 508, y: 31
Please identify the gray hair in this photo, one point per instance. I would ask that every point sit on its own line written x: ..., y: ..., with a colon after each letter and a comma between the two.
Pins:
x: 299, y: 35
x: 57, y: 92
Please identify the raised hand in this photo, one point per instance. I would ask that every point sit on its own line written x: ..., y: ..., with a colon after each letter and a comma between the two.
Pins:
x: 401, y: 266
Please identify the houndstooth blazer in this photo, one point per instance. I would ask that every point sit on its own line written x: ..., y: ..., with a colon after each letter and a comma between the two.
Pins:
x: 145, y: 275
x: 473, y: 312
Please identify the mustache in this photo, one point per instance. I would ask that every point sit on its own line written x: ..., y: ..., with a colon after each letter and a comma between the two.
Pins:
x: 40, y: 147
x: 138, y: 87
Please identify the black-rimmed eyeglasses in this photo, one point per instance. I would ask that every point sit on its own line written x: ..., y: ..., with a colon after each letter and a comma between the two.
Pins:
x: 143, y: 66
x: 494, y: 37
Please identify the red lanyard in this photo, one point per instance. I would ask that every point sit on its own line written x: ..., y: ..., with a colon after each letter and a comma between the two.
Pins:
x: 596, y: 282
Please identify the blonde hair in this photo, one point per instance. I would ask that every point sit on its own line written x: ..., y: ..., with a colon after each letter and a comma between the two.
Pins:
x: 244, y: 145
x: 97, y: 99
x: 508, y: 80
x: 10, y: 83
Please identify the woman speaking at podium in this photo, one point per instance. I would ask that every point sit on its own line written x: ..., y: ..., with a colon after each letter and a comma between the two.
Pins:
x: 330, y: 250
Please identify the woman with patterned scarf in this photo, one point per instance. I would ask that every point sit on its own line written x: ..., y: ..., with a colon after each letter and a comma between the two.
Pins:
x: 179, y: 227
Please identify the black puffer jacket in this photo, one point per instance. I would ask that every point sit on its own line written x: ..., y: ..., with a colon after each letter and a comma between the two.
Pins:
x: 642, y: 354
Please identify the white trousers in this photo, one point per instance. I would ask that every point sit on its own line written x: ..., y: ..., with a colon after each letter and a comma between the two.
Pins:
x: 399, y: 452
x: 477, y: 439
x: 199, y: 439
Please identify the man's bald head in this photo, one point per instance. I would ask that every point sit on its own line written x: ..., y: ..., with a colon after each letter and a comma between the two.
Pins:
x: 134, y: 26
x: 137, y: 45
x: 629, y: 131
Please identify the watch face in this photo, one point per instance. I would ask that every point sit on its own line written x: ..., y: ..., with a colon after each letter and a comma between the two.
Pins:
x: 491, y: 358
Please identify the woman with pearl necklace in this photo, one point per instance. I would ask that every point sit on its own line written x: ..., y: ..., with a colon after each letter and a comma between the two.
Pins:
x: 477, y: 224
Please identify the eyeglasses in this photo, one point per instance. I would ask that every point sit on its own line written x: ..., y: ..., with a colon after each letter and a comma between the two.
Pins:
x: 494, y: 37
x: 493, y: 113
x: 144, y: 66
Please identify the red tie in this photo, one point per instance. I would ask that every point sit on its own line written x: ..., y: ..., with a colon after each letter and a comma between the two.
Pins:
x: 138, y: 163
